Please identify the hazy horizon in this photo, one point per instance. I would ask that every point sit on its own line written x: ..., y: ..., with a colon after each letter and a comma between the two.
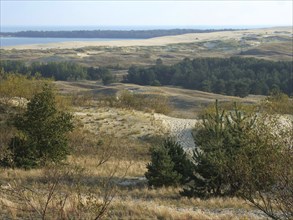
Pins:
x: 17, y: 28
x: 146, y: 13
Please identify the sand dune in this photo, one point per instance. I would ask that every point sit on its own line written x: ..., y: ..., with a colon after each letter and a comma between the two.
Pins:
x: 158, y: 41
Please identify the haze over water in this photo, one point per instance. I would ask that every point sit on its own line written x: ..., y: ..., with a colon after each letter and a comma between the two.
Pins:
x: 13, y: 41
x: 13, y: 28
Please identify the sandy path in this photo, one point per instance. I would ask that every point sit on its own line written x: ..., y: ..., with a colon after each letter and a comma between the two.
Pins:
x: 180, y: 129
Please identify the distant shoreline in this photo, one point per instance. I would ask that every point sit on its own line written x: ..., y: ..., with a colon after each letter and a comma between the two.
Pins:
x: 19, y: 28
x: 118, y: 34
x: 16, y: 41
x: 157, y: 41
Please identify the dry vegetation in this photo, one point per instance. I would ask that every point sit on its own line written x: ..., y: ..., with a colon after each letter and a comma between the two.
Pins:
x: 100, y: 169
x: 175, y: 102
x: 104, y: 175
x: 273, y: 44
x: 88, y: 181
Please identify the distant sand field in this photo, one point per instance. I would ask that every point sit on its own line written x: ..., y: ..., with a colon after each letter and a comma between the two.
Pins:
x: 158, y: 41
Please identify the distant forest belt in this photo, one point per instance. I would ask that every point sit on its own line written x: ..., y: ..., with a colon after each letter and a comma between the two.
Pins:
x: 137, y: 34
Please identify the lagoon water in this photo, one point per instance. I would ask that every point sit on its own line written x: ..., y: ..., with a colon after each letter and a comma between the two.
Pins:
x: 14, y: 41
x: 5, y: 28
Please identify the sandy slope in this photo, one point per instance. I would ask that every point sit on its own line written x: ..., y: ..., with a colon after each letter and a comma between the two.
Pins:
x: 185, y: 103
x: 180, y: 129
x: 135, y: 124
x: 185, y: 38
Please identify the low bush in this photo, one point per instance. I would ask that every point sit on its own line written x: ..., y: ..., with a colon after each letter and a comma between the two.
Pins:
x: 22, y: 87
x: 141, y: 102
x: 169, y: 165
x: 278, y: 103
x: 144, y: 102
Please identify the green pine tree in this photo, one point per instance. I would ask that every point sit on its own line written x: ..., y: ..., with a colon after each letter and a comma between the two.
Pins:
x: 207, y: 178
x: 222, y: 141
x: 161, y: 169
x: 182, y: 164
x: 169, y: 165
x: 42, y: 132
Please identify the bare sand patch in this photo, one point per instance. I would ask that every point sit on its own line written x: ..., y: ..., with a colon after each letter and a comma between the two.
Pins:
x: 180, y: 129
x: 82, y: 55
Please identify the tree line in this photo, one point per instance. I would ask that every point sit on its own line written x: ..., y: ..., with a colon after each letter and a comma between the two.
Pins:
x: 58, y: 70
x: 229, y: 76
x: 141, y: 34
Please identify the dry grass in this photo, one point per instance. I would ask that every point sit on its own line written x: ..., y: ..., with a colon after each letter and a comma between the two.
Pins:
x: 130, y: 202
x: 85, y: 180
x: 183, y: 103
x: 111, y: 142
x: 135, y: 209
x: 110, y: 150
x: 119, y: 123
x: 271, y: 51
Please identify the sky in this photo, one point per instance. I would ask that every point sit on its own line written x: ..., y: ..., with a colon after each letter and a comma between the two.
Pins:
x: 146, y: 13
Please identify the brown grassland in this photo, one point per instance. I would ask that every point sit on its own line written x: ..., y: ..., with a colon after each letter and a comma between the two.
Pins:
x: 115, y: 126
x: 104, y: 175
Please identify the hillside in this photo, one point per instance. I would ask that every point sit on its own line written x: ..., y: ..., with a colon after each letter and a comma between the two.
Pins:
x: 117, y: 125
x: 185, y: 103
x: 171, y: 49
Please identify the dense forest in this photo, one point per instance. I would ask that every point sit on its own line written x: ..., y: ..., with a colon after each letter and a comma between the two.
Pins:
x: 230, y: 76
x: 57, y: 70
x: 138, y: 34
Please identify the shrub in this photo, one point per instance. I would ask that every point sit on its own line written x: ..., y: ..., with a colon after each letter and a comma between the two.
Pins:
x: 156, y: 83
x: 269, y: 183
x: 14, y: 85
x: 108, y: 78
x: 241, y: 154
x: 169, y: 165
x: 42, y: 132
x: 157, y: 103
x: 229, y: 144
x: 278, y: 102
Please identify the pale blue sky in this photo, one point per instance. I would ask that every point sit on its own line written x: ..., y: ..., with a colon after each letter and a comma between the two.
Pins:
x: 121, y: 13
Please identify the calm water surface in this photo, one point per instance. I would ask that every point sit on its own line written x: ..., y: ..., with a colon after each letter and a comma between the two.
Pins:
x: 14, y: 41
